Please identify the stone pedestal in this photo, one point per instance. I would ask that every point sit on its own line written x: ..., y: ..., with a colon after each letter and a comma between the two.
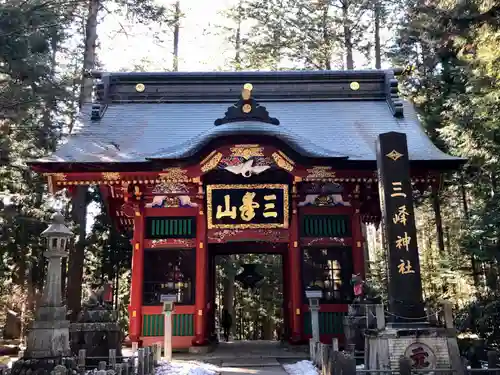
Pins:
x: 97, y: 330
x: 427, y: 347
x: 315, y: 323
x: 48, y: 339
x: 96, y: 339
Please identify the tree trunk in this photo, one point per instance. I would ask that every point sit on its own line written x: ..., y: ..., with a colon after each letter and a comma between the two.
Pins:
x: 465, y: 206
x: 79, y: 196
x: 326, y: 37
x: 46, y: 141
x: 267, y: 322
x: 229, y: 291
x: 366, y: 248
x: 237, y: 39
x: 347, y: 35
x: 378, y: 52
x: 77, y: 252
x: 177, y: 26
x: 89, y: 54
x: 439, y: 221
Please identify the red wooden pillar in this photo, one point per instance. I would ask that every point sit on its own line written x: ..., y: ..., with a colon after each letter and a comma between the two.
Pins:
x: 200, y: 337
x: 357, y: 242
x: 135, y: 316
x: 295, y: 274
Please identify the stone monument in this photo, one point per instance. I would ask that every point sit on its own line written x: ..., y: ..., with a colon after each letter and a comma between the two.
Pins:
x: 407, y: 332
x: 96, y: 330
x: 48, y: 338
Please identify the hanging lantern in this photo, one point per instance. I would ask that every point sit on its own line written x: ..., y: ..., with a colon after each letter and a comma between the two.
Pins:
x: 249, y: 277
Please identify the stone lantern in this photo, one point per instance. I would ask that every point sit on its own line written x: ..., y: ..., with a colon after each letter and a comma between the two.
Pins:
x: 49, y: 336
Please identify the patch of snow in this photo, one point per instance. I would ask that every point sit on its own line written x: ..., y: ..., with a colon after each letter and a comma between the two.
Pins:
x: 360, y: 367
x: 301, y: 368
x: 179, y: 368
x: 185, y: 368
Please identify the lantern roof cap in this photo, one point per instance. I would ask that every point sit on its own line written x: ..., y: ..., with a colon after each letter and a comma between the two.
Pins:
x: 57, y: 228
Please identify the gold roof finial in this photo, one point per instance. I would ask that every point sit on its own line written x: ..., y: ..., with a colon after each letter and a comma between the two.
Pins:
x: 246, y: 93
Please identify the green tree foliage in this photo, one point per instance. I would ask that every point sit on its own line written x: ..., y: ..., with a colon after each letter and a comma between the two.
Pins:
x: 109, y: 257
x: 454, y: 45
x: 297, y: 34
x: 31, y: 33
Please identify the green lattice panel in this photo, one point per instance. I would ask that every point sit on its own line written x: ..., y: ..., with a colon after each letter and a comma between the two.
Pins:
x: 182, y: 325
x: 170, y: 227
x: 330, y: 323
x: 325, y: 226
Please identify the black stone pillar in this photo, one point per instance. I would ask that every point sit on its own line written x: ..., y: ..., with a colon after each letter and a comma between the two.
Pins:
x: 396, y: 200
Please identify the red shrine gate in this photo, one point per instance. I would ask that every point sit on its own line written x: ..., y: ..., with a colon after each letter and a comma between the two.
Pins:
x: 182, y: 168
x: 186, y: 214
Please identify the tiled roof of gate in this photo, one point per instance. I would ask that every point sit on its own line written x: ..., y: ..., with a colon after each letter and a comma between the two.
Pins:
x: 137, y: 131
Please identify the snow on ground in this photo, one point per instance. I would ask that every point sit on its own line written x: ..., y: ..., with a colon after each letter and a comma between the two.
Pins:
x: 179, y: 368
x: 185, y: 368
x: 301, y: 368
x: 307, y: 368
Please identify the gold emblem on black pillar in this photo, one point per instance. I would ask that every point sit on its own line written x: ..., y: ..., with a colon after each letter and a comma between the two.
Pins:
x: 394, y: 155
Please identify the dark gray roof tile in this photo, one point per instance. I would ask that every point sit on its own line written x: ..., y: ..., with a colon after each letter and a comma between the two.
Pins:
x: 139, y: 132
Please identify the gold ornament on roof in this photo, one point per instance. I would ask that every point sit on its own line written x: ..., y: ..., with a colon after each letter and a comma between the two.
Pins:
x: 394, y: 155
x: 56, y: 176
x: 282, y: 162
x: 140, y: 87
x: 174, y: 174
x: 246, y: 94
x: 320, y: 173
x: 247, y: 108
x: 212, y: 163
x: 354, y: 86
x: 247, y: 151
x: 209, y: 156
x: 110, y: 176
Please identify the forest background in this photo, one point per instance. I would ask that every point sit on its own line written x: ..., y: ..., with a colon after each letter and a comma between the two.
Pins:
x: 47, y: 46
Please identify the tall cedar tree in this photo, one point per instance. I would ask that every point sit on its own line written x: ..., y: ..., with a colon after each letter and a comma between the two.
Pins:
x: 31, y: 91
x: 142, y: 11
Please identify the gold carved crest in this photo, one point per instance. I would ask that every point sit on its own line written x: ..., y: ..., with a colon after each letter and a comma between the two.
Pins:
x: 247, y: 151
x: 56, y: 176
x: 320, y: 173
x: 174, y: 174
x: 110, y: 176
x: 283, y: 161
x: 211, y: 163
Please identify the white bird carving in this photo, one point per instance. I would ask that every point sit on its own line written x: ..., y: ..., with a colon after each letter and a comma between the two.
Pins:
x: 246, y: 169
